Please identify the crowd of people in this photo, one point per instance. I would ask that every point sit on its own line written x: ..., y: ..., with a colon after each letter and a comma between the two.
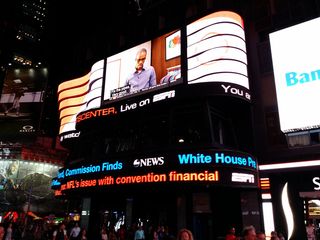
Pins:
x: 138, y: 232
x: 73, y: 231
x: 41, y: 230
x: 249, y: 233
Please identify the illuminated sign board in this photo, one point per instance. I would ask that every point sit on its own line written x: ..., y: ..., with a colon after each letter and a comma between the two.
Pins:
x: 242, y: 177
x: 142, y: 68
x: 297, y: 74
x: 216, y: 50
x: 17, y: 177
x: 78, y: 95
x: 217, y: 167
x: 316, y: 182
x: 21, y: 101
x: 116, y: 108
x: 10, y: 150
x: 216, y: 54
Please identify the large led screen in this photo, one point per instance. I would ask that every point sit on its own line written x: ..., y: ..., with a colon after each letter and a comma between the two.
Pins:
x: 143, y: 67
x: 216, y: 50
x: 78, y: 95
x: 21, y: 101
x: 295, y: 56
x: 25, y: 181
x: 209, y: 167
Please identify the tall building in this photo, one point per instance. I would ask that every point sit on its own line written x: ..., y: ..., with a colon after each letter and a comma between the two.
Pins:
x: 23, y: 57
x: 29, y: 155
x: 112, y: 140
x: 23, y: 27
x: 177, y: 151
x: 189, y: 121
x: 287, y: 139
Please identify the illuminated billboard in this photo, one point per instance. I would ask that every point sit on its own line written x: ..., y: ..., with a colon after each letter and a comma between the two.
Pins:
x: 143, y: 67
x: 23, y: 181
x: 228, y: 168
x: 151, y: 72
x: 21, y: 101
x: 78, y: 95
x: 297, y: 73
x: 10, y: 150
x: 216, y: 50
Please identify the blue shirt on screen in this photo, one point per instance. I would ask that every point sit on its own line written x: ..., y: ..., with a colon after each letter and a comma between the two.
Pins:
x: 142, y: 80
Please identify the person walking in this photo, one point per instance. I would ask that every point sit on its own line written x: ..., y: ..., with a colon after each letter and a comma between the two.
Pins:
x: 185, y: 234
x: 249, y: 233
x: 2, y: 231
x: 75, y: 232
x: 310, y: 231
x: 83, y: 234
x: 9, y: 232
x: 231, y: 235
x: 139, y: 234
x: 60, y: 233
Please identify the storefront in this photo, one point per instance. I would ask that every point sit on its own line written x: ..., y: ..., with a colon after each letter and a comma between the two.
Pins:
x: 293, y: 197
x: 195, y: 189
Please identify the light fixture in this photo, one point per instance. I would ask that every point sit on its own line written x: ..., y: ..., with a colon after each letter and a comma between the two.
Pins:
x: 17, y: 80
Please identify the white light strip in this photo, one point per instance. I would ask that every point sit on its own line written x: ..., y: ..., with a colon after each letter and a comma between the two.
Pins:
x: 268, y: 219
x: 289, y: 165
x: 266, y: 196
x: 287, y: 210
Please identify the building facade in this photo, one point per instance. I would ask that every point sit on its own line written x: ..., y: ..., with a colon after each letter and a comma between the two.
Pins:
x: 196, y: 117
x: 178, y: 153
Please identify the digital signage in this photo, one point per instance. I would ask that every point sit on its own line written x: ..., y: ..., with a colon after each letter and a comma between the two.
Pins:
x: 314, y: 209
x: 151, y: 72
x: 216, y: 50
x: 21, y: 101
x: 144, y: 67
x: 297, y: 73
x: 19, y: 179
x: 78, y: 95
x: 229, y: 168
x: 10, y: 150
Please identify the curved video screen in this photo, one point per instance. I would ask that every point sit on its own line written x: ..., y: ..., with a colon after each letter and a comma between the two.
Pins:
x: 216, y: 52
x: 152, y: 71
x: 228, y: 168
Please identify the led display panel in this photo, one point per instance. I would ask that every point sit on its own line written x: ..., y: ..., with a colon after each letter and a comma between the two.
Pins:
x: 78, y: 95
x: 297, y: 73
x: 135, y: 77
x: 144, y: 67
x: 20, y: 179
x: 216, y: 50
x: 21, y: 101
x: 228, y: 168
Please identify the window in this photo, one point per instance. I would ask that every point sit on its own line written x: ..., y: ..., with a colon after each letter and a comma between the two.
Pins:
x: 190, y: 125
x: 304, y: 138
x: 222, y: 128
x: 298, y: 139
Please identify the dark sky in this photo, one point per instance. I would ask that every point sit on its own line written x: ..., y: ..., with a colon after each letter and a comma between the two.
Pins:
x: 83, y: 32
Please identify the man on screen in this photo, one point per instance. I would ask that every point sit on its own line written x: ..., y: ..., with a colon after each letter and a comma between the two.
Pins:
x: 143, y: 77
